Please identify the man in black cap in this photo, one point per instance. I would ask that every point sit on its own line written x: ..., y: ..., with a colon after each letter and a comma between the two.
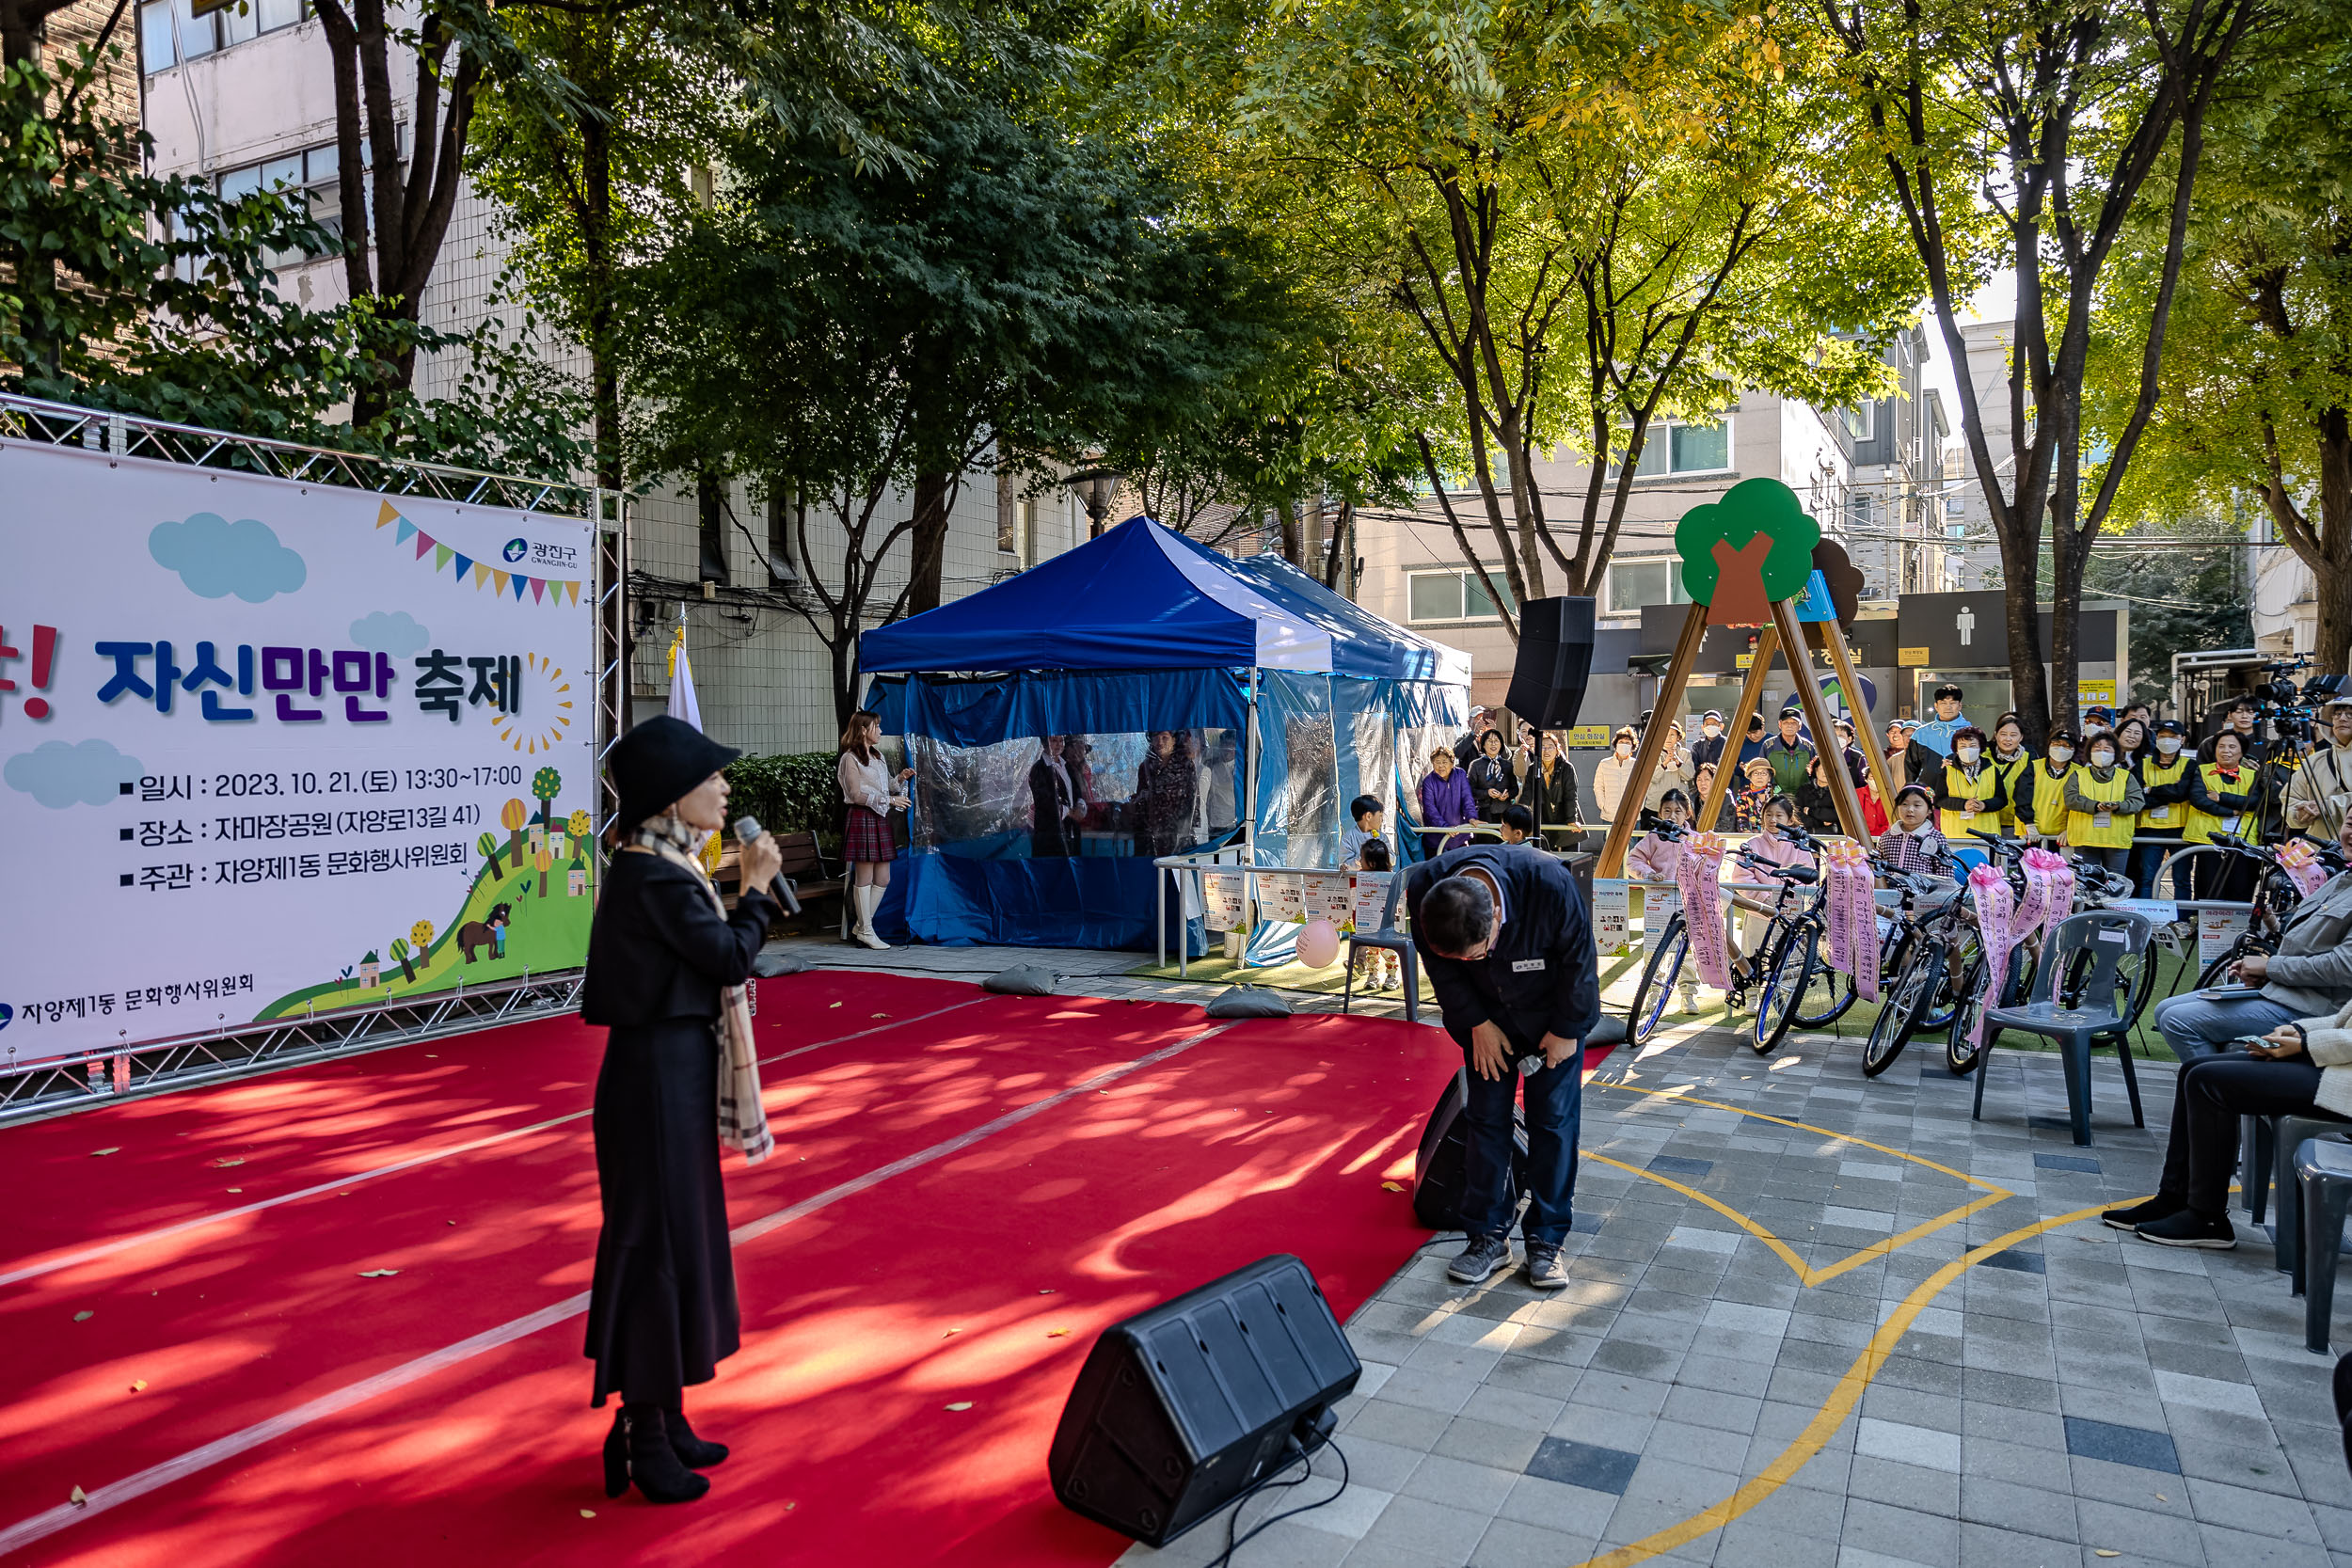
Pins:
x: 1936, y: 734
x: 1788, y: 754
x: 1508, y: 949
x: 1709, y: 747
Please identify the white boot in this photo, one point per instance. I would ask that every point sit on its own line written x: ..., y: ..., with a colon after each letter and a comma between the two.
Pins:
x: 868, y: 896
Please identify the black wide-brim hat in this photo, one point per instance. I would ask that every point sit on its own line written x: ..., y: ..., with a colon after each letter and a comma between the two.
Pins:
x: 657, y: 762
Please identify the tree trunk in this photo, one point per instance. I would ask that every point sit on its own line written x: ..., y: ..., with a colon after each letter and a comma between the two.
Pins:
x: 929, y: 542
x: 2331, y: 574
x: 842, y: 646
x: 1338, y: 556
x: 1293, y: 535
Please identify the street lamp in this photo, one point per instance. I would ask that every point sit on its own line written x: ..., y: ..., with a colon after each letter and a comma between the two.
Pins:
x: 1095, y: 489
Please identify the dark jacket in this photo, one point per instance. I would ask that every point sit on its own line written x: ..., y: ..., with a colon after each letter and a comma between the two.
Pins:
x: 1704, y: 750
x: 1051, y: 796
x: 1551, y: 801
x: 661, y: 1303
x: 1541, y: 977
x: 1817, y: 808
x: 1487, y: 773
x: 657, y: 948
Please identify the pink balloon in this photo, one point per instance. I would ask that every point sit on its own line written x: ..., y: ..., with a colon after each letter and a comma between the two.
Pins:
x: 1319, y: 944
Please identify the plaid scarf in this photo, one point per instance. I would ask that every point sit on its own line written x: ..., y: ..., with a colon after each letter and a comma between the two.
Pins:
x: 742, y: 1119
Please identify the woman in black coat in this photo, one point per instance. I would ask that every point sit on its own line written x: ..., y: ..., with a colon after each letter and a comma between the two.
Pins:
x: 661, y: 1312
x: 1053, y: 804
x: 1493, y: 782
x: 1548, y: 793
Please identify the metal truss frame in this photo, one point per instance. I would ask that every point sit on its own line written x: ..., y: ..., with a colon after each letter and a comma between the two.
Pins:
x: 65, y: 1084
x: 73, y: 1083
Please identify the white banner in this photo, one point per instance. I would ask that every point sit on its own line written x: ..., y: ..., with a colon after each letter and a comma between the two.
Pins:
x: 1659, y: 905
x: 268, y: 747
x: 1328, y: 897
x: 2216, y: 929
x: 1220, y: 896
x: 1610, y: 917
x: 1372, y: 899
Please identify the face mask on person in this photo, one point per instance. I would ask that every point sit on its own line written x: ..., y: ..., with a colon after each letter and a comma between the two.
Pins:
x: 1967, y: 754
x: 2103, y: 758
x: 1710, y: 731
x: 2168, y: 744
x: 1625, y: 748
x: 2062, y: 753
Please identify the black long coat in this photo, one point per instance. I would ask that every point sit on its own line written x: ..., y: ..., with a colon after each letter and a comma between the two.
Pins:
x: 661, y: 1312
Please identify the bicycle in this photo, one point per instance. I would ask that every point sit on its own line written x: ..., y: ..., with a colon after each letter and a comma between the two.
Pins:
x: 1781, y: 974
x: 2095, y: 887
x: 1926, y: 926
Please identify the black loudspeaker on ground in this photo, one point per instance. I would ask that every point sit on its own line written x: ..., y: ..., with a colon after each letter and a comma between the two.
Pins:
x: 1438, y: 1163
x: 1555, y: 661
x: 1179, y: 1409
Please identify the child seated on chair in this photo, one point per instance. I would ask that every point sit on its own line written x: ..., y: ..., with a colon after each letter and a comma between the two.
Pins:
x: 1516, y: 823
x: 1378, y: 968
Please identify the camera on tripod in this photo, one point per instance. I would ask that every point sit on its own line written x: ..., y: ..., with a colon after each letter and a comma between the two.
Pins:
x: 2284, y: 710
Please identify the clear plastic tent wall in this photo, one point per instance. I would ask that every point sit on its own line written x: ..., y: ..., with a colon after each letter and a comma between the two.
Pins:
x: 1069, y: 726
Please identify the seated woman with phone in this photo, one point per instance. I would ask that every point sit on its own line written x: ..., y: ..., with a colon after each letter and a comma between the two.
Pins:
x: 2310, y: 974
x: 2301, y: 1067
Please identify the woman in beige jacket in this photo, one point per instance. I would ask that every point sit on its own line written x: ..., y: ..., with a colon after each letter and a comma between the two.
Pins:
x: 2300, y: 1069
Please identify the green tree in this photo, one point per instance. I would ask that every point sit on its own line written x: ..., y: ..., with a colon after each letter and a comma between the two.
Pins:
x: 2258, y: 361
x: 2024, y: 135
x: 400, y: 951
x: 545, y: 786
x: 1007, y: 299
x: 488, y: 844
x: 1582, y: 219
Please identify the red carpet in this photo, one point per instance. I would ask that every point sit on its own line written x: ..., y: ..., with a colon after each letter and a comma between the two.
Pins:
x: 978, y: 1276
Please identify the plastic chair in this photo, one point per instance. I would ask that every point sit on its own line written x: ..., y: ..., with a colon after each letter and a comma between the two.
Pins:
x: 2288, y: 1134
x: 2324, y: 1170
x: 1391, y: 939
x: 2109, y: 937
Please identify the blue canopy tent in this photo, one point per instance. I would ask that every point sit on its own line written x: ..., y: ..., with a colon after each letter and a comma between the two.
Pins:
x: 1281, y: 700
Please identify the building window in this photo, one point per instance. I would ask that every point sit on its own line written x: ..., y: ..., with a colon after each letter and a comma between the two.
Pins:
x: 1634, y: 584
x: 1453, y: 596
x: 1861, y: 421
x: 1674, y: 447
x: 710, y: 500
x: 781, y: 510
x: 170, y: 32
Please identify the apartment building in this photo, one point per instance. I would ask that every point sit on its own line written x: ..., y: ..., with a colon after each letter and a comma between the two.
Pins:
x: 244, y: 97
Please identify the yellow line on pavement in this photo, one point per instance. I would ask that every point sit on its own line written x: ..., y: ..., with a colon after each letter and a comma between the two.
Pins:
x: 1804, y: 1270
x: 1833, y: 1411
x: 1800, y: 1126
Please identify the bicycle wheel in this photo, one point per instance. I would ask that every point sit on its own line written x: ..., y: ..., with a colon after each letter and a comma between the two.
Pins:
x: 1959, y: 1054
x: 1827, y: 994
x: 1944, y: 1001
x: 1921, y: 977
x: 1658, y: 982
x: 1785, y: 974
x: 2218, y: 971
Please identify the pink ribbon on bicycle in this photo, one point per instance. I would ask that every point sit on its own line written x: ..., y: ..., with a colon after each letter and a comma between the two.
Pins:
x: 2049, y: 892
x: 1865, y: 936
x: 1851, y: 914
x: 1838, y: 909
x: 2301, y: 864
x: 1696, y: 876
x: 1996, y: 929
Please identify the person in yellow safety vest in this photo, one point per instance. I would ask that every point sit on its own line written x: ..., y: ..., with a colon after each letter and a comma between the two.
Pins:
x: 2164, y: 775
x: 2221, y: 799
x: 2041, y: 804
x: 2103, y: 802
x: 2011, y: 761
x: 1968, y: 792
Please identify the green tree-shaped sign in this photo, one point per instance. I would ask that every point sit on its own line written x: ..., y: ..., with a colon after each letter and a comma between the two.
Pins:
x: 1745, y: 553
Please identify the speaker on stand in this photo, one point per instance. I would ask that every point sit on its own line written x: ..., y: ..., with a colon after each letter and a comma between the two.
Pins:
x: 1181, y: 1409
x: 1555, y: 661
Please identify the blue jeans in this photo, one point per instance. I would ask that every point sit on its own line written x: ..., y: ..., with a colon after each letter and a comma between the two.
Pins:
x: 1555, y: 1103
x: 2146, y: 857
x: 2203, y: 1022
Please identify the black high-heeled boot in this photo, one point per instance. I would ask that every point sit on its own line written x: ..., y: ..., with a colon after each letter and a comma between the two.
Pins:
x: 692, y: 1451
x: 638, y: 1450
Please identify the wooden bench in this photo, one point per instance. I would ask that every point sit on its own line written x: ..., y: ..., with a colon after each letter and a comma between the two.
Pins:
x: 803, y: 866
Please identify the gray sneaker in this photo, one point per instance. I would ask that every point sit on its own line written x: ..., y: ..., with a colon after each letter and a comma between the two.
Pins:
x: 1546, y: 1269
x: 1475, y: 1261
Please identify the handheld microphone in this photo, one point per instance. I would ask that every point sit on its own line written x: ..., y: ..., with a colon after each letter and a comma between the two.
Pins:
x: 747, y: 827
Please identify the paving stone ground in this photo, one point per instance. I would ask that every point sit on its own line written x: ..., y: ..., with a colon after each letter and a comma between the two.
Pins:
x: 2072, y: 1395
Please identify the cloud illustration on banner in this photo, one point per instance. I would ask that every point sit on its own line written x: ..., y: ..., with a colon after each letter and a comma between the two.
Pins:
x: 60, y: 774
x: 395, y: 633
x: 216, y: 558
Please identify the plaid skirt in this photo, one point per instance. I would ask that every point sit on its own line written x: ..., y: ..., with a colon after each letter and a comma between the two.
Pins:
x: 867, y: 838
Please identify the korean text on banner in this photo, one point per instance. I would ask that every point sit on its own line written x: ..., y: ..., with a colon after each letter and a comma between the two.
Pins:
x: 1372, y: 898
x: 1328, y: 897
x: 1658, y: 908
x: 2216, y: 929
x: 283, y: 749
x: 1283, y: 895
x: 1220, y: 900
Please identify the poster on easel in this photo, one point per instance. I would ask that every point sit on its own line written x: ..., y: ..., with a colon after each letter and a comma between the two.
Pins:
x: 1610, y: 922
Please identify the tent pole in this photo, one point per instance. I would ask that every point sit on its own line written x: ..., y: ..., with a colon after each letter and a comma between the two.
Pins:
x: 1250, y: 810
